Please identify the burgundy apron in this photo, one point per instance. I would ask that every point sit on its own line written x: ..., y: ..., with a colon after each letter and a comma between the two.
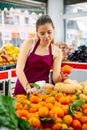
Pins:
x: 36, y: 68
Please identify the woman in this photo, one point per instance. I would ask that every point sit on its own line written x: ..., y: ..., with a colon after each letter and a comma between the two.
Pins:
x: 37, y: 56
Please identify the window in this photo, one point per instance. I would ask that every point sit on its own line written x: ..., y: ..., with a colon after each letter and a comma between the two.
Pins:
x: 16, y: 20
x: 26, y: 21
x: 76, y: 24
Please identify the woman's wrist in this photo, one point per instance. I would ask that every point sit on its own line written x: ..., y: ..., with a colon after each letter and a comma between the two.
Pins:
x: 27, y: 86
x: 60, y: 78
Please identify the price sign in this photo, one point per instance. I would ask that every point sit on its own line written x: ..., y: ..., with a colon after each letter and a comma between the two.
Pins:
x: 6, y: 35
x: 23, y: 35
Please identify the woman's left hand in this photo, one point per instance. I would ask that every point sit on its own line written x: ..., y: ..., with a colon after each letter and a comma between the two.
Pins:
x: 64, y: 75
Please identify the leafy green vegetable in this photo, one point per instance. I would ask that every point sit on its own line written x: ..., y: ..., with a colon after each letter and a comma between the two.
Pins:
x: 79, y: 102
x: 8, y: 117
x: 75, y: 106
x: 35, y: 85
x: 23, y: 125
x: 46, y: 119
x: 71, y: 111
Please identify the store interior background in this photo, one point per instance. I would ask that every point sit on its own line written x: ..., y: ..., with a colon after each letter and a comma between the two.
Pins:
x: 18, y: 18
x: 70, y: 20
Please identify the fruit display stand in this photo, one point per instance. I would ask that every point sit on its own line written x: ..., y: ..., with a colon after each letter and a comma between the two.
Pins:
x: 51, y: 110
x: 79, y: 73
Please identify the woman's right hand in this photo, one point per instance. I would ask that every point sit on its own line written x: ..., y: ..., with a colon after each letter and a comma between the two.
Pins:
x: 32, y: 90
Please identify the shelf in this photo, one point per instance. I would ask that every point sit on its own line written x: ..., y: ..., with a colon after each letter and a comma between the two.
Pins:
x: 13, y: 73
x: 4, y: 75
x: 76, y: 65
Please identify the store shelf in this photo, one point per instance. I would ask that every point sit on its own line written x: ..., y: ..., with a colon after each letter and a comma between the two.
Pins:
x: 7, y: 75
x: 79, y: 72
x: 76, y: 65
x: 3, y: 75
x: 13, y: 73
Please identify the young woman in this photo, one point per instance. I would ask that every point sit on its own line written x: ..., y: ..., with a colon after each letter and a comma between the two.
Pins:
x: 36, y: 58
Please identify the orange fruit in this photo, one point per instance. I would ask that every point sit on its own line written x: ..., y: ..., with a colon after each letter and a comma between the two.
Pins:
x: 64, y: 100
x: 43, y: 103
x: 77, y: 115
x: 56, y: 112
x: 34, y: 99
x: 59, y: 119
x: 43, y: 111
x: 33, y: 108
x: 47, y: 129
x: 50, y: 100
x: 83, y: 119
x: 49, y: 105
x: 18, y: 106
x: 35, y: 122
x: 58, y: 96
x: 38, y: 105
x: 65, y: 109
x: 76, y: 124
x: 26, y: 107
x: 21, y: 98
x: 74, y: 97
x: 84, y: 106
x: 44, y: 97
x: 59, y: 111
x: 84, y: 126
x: 30, y: 115
x: 58, y: 104
x: 64, y: 126
x: 52, y: 113
x: 56, y: 126
x: 67, y: 69
x: 18, y: 112
x: 85, y: 112
x: 24, y: 113
x: 68, y: 119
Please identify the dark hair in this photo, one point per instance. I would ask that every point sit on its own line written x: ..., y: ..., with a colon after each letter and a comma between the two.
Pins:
x: 43, y: 20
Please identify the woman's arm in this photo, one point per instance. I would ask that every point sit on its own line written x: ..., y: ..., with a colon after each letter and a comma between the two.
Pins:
x: 58, y: 75
x: 24, y: 51
x: 57, y: 61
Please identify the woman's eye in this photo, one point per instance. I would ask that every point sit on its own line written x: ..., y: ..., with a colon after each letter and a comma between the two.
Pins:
x: 42, y: 33
x: 49, y: 32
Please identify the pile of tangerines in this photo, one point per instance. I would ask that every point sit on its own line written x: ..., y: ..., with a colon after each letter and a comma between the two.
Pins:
x: 51, y: 111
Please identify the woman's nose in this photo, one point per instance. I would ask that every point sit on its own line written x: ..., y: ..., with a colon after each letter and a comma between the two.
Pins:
x: 46, y: 35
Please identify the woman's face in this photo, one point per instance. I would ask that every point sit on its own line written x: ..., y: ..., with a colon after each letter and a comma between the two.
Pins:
x: 45, y: 33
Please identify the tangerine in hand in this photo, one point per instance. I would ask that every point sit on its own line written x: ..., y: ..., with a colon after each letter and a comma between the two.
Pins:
x: 67, y: 69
